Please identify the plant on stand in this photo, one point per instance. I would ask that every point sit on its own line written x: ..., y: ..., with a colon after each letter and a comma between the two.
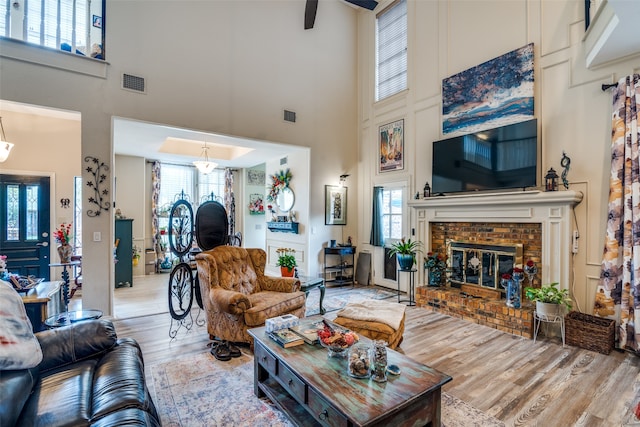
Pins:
x: 405, y: 252
x: 549, y: 300
x: 286, y: 261
x: 63, y: 237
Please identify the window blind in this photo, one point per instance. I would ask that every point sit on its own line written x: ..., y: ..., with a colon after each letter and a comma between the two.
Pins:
x: 173, y: 180
x: 391, y: 50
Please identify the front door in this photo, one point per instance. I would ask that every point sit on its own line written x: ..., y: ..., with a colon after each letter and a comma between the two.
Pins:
x: 24, y: 224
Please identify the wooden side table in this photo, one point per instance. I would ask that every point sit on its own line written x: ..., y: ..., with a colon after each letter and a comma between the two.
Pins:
x: 43, y: 301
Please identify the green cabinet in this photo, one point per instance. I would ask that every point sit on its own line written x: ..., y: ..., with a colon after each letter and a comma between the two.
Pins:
x: 124, y: 252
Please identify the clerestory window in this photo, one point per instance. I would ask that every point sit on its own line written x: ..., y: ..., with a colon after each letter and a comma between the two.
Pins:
x: 391, y: 50
x: 75, y: 26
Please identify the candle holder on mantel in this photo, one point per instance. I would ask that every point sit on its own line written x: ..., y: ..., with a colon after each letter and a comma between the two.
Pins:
x: 551, y: 180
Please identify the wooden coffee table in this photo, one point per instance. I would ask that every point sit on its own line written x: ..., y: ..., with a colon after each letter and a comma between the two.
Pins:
x: 314, y: 390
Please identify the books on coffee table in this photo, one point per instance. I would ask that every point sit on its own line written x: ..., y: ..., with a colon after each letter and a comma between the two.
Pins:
x: 308, y: 330
x: 286, y: 338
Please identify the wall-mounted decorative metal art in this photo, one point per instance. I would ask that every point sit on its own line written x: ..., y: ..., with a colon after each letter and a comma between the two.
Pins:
x: 99, y: 171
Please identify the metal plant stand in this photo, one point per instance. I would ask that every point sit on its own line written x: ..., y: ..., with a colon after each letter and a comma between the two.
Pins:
x: 182, y: 286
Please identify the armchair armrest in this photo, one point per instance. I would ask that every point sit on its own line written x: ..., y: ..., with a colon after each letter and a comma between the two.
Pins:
x: 229, y: 301
x: 69, y: 344
x: 280, y: 284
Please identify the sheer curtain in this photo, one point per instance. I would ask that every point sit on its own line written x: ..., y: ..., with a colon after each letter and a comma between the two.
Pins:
x: 377, y: 237
x: 618, y: 293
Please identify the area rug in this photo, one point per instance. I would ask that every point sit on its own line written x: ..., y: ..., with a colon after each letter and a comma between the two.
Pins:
x: 199, y: 390
x: 337, y: 298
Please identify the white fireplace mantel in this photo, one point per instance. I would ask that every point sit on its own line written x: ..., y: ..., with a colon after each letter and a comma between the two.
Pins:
x: 553, y: 210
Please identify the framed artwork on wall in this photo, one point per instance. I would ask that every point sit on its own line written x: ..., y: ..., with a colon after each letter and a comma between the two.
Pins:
x: 255, y: 177
x: 335, y: 205
x: 493, y: 94
x: 391, y: 143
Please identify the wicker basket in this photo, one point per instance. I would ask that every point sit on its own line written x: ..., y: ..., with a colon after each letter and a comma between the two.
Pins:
x: 590, y: 332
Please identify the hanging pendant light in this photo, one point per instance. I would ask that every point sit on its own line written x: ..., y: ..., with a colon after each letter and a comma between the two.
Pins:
x: 5, y: 147
x: 205, y: 166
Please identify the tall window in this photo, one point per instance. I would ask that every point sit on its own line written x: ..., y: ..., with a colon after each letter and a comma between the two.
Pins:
x: 391, y: 50
x: 174, y: 180
x: 392, y: 213
x: 71, y: 25
x: 211, y: 183
x: 196, y: 186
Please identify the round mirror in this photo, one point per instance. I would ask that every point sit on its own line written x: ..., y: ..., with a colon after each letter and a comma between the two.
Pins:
x: 285, y: 199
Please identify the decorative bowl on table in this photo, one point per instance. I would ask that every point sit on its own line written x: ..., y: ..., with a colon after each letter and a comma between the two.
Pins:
x: 24, y: 283
x: 337, y: 340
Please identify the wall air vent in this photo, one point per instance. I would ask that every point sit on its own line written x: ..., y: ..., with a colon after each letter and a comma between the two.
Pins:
x: 289, y: 116
x: 134, y: 83
x: 284, y: 161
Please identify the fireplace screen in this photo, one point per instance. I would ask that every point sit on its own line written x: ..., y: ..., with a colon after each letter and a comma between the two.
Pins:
x: 482, y: 264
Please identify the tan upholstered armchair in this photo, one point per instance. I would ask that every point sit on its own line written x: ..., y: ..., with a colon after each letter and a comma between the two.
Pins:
x: 238, y: 296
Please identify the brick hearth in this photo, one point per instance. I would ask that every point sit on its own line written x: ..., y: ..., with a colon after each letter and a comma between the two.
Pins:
x: 488, y: 312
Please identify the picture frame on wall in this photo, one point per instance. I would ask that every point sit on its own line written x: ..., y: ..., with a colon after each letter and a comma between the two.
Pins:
x: 335, y: 205
x: 391, y: 146
x: 255, y: 177
x: 97, y: 21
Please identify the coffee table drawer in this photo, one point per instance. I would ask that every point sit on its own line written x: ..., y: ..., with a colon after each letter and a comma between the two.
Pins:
x: 323, y: 412
x: 266, y: 359
x: 294, y: 385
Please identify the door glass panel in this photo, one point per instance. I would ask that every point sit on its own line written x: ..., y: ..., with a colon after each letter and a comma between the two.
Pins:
x: 32, y: 212
x: 13, y: 212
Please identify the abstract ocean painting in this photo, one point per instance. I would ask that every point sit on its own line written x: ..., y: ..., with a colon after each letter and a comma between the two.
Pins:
x: 495, y: 93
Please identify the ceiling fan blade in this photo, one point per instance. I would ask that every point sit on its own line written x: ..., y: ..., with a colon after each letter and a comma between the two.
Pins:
x: 367, y: 4
x: 310, y: 13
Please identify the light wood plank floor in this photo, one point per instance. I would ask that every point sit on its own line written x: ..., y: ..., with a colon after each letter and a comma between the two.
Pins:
x: 511, y: 378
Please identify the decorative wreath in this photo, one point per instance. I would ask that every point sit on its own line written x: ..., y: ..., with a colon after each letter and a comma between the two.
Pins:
x: 279, y: 181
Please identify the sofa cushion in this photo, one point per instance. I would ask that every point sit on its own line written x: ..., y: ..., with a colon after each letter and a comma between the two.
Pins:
x: 131, y: 417
x: 19, y: 348
x: 69, y: 344
x: 15, y: 388
x: 61, y: 397
x: 269, y: 304
x: 119, y: 381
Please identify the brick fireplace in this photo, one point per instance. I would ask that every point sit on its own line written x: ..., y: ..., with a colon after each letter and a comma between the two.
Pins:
x: 540, y: 221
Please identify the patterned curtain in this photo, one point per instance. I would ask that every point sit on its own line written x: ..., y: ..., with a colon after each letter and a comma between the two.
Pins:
x: 618, y: 293
x: 230, y: 200
x: 155, y: 197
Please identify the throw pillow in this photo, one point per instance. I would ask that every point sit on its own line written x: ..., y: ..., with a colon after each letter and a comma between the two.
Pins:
x: 19, y: 347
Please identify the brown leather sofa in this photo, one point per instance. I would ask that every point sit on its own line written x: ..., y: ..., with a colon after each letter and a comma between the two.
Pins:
x: 87, y: 377
x: 238, y: 296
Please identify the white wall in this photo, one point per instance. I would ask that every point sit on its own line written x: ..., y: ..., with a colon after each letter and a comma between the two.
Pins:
x: 254, y: 225
x: 298, y: 164
x: 130, y: 197
x: 229, y: 67
x: 574, y: 115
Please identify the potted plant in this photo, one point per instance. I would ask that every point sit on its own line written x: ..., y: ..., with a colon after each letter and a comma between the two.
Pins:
x: 550, y: 301
x: 136, y: 255
x: 286, y: 261
x: 405, y: 252
x: 437, y: 265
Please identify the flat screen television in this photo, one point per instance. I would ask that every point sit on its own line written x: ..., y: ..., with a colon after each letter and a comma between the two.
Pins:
x: 494, y: 159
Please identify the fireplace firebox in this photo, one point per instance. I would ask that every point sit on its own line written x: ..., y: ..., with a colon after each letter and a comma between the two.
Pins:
x: 481, y: 265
